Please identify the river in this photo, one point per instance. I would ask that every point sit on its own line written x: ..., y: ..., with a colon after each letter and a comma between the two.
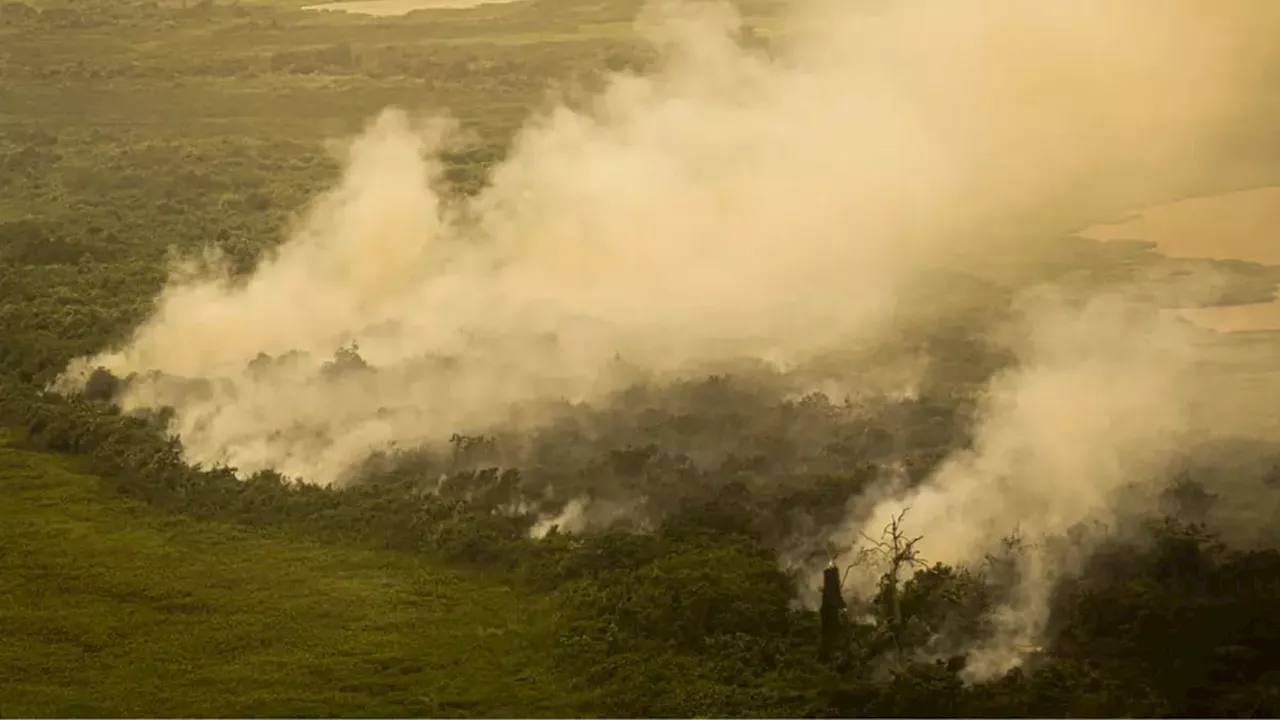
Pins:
x: 389, y: 8
x: 1241, y: 225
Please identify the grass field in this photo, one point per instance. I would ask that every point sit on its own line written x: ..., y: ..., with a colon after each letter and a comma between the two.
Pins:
x: 108, y: 608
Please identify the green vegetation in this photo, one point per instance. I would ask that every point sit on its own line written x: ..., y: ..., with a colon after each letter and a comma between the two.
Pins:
x: 132, y: 584
x: 692, y: 620
x: 110, y: 608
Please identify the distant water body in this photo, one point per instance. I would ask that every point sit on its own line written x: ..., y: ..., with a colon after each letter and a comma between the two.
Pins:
x: 1236, y: 226
x: 390, y: 8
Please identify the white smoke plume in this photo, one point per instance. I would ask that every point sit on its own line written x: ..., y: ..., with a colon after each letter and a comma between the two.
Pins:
x: 736, y: 203
x: 729, y: 204
x: 1094, y: 406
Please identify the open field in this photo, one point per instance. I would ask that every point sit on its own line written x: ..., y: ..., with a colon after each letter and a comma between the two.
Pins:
x: 109, y: 608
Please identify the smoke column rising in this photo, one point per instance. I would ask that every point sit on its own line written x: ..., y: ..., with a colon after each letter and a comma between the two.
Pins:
x: 732, y: 204
x: 1095, y: 406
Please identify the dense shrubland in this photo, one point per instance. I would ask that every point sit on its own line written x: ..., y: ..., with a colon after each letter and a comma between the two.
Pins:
x: 691, y: 611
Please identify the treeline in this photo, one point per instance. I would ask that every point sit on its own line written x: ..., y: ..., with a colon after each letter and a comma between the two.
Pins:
x: 495, y: 66
x: 696, y: 617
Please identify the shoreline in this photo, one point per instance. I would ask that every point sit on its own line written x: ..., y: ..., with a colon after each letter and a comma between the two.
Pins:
x: 1242, y: 225
x: 396, y: 8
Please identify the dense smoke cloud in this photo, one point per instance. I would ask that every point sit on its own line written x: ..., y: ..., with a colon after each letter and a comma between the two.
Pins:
x: 1094, y: 407
x: 1062, y: 432
x: 734, y: 204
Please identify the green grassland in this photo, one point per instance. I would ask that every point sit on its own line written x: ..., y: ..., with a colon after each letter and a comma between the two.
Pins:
x: 110, y: 608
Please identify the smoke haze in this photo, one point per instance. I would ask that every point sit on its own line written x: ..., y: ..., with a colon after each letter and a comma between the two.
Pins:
x: 736, y: 203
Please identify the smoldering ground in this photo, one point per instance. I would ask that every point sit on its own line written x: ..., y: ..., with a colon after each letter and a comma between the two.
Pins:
x: 886, y: 173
